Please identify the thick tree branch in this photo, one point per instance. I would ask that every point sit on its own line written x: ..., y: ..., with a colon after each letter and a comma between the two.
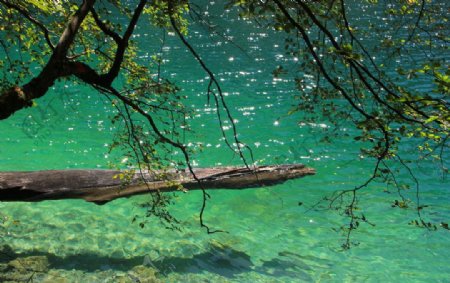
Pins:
x: 68, y: 36
x: 101, y: 186
x: 17, y: 97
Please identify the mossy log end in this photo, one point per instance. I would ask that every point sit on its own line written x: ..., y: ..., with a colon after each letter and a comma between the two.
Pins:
x: 101, y: 186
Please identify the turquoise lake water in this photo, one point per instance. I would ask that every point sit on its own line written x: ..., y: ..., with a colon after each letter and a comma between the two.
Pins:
x: 269, y: 236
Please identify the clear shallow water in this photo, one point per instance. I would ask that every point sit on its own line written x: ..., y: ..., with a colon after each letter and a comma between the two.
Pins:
x: 270, y: 238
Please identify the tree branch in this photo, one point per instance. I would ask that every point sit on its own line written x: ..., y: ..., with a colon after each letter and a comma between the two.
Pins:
x: 106, y: 30
x: 29, y: 17
x: 123, y: 43
x: 358, y: 66
x: 319, y: 61
x: 17, y: 97
x: 68, y: 36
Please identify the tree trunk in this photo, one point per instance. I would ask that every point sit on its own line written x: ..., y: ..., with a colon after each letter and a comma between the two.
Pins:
x: 101, y: 186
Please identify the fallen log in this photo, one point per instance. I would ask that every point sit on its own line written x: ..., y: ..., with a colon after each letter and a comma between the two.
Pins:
x: 101, y: 186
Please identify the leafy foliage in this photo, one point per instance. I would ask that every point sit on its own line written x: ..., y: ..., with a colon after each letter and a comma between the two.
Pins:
x: 357, y: 67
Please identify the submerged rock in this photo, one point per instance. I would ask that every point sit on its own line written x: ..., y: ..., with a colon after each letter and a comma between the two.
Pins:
x: 23, y: 269
x: 36, y: 268
x: 3, y: 267
x: 29, y: 264
x: 15, y: 277
x: 56, y: 279
x: 144, y: 274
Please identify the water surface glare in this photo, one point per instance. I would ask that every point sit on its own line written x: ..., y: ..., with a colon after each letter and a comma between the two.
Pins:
x: 271, y: 234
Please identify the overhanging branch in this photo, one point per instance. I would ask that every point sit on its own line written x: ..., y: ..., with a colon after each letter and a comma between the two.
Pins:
x: 123, y: 43
x: 105, y: 29
x: 17, y: 97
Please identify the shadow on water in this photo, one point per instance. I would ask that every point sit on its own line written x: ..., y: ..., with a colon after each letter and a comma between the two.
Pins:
x: 219, y: 259
x: 293, y: 265
x: 222, y: 260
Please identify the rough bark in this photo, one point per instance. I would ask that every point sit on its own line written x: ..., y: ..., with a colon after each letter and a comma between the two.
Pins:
x: 19, y: 97
x: 101, y: 186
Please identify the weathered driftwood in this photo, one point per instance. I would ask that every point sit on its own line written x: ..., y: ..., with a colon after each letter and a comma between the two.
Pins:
x: 101, y: 186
